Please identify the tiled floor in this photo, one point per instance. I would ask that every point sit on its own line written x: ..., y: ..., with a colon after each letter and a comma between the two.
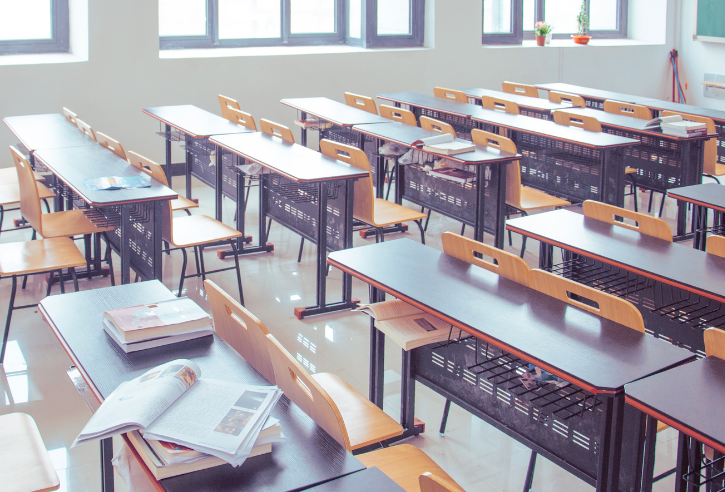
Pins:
x: 34, y: 380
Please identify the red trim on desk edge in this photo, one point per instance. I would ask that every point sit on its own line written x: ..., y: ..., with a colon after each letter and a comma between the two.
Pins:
x: 437, y: 110
x: 696, y: 202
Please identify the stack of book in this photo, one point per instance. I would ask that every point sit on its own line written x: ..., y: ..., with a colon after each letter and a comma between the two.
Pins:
x: 152, y: 325
x: 445, y: 144
x: 683, y: 128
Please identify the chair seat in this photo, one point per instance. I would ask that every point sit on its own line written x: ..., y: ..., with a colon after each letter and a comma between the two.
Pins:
x: 193, y: 230
x: 388, y: 213
x: 69, y: 223
x: 404, y: 463
x: 183, y: 203
x: 630, y: 170
x: 532, y: 199
x: 25, y: 465
x: 10, y: 193
x: 41, y: 255
x: 365, y: 422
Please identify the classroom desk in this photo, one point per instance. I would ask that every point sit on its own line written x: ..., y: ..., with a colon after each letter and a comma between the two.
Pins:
x: 513, y: 326
x: 309, y: 456
x: 137, y: 213
x: 678, y: 289
x: 456, y: 113
x: 528, y: 106
x: 668, y: 397
x: 564, y: 161
x: 297, y: 190
x: 363, y: 481
x: 480, y: 203
x: 702, y: 197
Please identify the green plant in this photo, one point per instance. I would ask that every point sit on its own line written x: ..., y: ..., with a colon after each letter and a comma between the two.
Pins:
x: 582, y: 20
x: 542, y: 28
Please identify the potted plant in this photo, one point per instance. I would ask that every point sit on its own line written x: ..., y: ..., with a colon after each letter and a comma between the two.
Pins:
x: 543, y: 31
x: 582, y: 24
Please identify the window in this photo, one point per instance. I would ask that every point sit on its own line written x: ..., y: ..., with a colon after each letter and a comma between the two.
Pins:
x: 510, y: 21
x: 33, y: 26
x: 233, y: 23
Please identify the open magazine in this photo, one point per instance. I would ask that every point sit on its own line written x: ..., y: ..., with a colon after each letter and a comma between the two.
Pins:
x: 171, y: 403
x: 656, y: 122
x: 407, y: 325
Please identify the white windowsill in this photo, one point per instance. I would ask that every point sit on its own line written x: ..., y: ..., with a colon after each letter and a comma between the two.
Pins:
x: 569, y: 43
x: 41, y: 59
x: 272, y: 51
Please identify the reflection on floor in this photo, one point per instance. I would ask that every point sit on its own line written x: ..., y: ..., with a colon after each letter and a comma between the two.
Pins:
x: 34, y: 380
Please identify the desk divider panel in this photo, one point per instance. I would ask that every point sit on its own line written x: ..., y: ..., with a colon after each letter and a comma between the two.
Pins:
x: 542, y: 114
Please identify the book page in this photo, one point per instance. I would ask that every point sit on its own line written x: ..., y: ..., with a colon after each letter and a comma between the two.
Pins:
x: 382, y: 311
x: 414, y: 326
x: 438, y: 139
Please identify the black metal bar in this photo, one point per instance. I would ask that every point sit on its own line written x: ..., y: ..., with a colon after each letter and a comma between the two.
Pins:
x: 167, y: 144
x: 303, y: 131
x: 407, y: 392
x: 125, y: 247
x: 650, y: 444
x: 529, y: 481
x: 377, y: 353
x: 682, y: 463
x: 157, y: 239
x: 189, y: 164
x: 107, y: 484
x: 219, y: 177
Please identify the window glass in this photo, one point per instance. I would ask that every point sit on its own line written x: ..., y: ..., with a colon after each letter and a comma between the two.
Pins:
x: 603, y: 15
x: 182, y: 17
x: 561, y: 14
x: 529, y: 15
x: 355, y: 16
x: 25, y: 19
x: 394, y: 17
x: 241, y: 19
x: 312, y: 16
x: 496, y: 16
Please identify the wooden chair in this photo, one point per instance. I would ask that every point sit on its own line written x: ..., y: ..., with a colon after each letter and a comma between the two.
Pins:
x: 716, y: 245
x: 10, y: 195
x: 407, y: 466
x: 646, y: 224
x: 25, y: 465
x: 520, y: 89
x: 111, y: 144
x: 70, y: 116
x: 192, y: 231
x: 349, y: 417
x: 180, y: 203
x: 226, y: 103
x: 85, y: 128
x: 566, y: 98
x: 437, y: 126
x: 499, y: 104
x: 241, y: 118
x: 242, y: 330
x: 361, y: 102
x: 398, y: 114
x: 374, y: 212
x: 710, y: 167
x: 715, y: 343
x: 627, y: 109
x: 521, y: 199
x: 450, y: 94
x: 277, y: 130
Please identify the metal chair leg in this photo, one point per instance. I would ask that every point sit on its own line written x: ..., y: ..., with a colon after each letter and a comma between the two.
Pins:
x: 662, y: 203
x: 302, y: 245
x: 463, y: 229
x: 649, y: 207
x: 60, y: 281
x: 382, y: 235
x: 201, y: 262
x: 419, y: 223
x: 196, y: 260
x: 427, y: 220
x: 444, y: 420
x: 530, y: 473
x: 109, y: 258
x: 47, y: 207
x: 269, y: 226
x: 25, y: 277
x: 13, y: 291
x: 183, y: 272
x: 239, y: 274
x: 2, y: 216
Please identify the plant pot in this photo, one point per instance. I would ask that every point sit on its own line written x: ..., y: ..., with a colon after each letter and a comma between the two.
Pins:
x: 580, y: 38
x: 540, y: 40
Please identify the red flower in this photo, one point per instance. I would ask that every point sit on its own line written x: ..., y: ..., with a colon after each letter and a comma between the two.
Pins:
x: 539, y: 24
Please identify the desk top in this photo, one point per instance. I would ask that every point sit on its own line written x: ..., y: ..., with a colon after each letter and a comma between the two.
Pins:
x: 73, y: 165
x: 587, y: 92
x: 552, y: 130
x: 595, y: 353
x: 46, y: 131
x: 363, y: 481
x: 403, y: 134
x: 688, y: 398
x: 711, y: 195
x: 308, y: 457
x: 675, y: 264
x: 525, y: 101
x: 335, y: 112
x: 433, y: 103
x: 292, y: 161
x: 194, y: 121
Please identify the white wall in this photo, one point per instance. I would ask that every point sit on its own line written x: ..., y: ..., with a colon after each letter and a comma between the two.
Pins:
x: 124, y: 72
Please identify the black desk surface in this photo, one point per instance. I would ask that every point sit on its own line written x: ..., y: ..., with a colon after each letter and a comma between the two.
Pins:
x: 682, y: 108
x: 403, y: 134
x: 335, y: 112
x: 46, y: 131
x: 711, y: 195
x: 371, y: 479
x: 308, y: 457
x: 431, y: 102
x: 194, y: 121
x: 587, y: 92
x: 73, y: 165
x: 675, y: 264
x: 689, y: 398
x: 292, y: 161
x: 551, y: 130
x: 525, y: 101
x: 598, y: 354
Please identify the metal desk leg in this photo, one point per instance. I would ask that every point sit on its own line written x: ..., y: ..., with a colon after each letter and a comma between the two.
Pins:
x: 610, y: 444
x: 218, y: 193
x: 497, y: 190
x: 169, y: 171
x: 189, y: 164
x: 303, y: 131
x: 546, y: 256
x: 106, y: 466
x: 407, y: 393
x: 158, y: 238
x: 683, y: 456
x: 125, y: 249
x: 377, y: 353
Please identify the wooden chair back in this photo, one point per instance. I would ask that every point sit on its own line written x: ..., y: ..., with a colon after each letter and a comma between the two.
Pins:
x: 398, y: 114
x: 433, y: 483
x: 499, y: 104
x: 566, y: 98
x: 513, y: 169
x: 85, y: 128
x: 715, y: 343
x: 627, y: 109
x: 709, y: 163
x: 29, y: 197
x: 70, y: 116
x: 242, y: 330
x: 364, y: 195
x: 437, y: 126
x: 226, y: 103
x: 361, y: 102
x: 507, y: 265
x: 111, y: 144
x: 155, y: 170
x: 241, y: 118
x: 306, y: 393
x: 572, y: 118
x: 450, y: 94
x: 611, y: 307
x: 277, y: 130
x: 520, y: 89
x: 646, y: 224
x: 716, y: 245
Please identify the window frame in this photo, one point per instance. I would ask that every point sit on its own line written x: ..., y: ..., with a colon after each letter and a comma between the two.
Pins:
x: 58, y: 43
x: 412, y: 40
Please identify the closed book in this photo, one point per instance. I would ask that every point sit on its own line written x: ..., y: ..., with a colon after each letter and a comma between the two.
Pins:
x: 681, y: 134
x: 450, y: 148
x: 158, y: 319
x: 683, y: 125
x: 453, y: 174
x: 155, y: 342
